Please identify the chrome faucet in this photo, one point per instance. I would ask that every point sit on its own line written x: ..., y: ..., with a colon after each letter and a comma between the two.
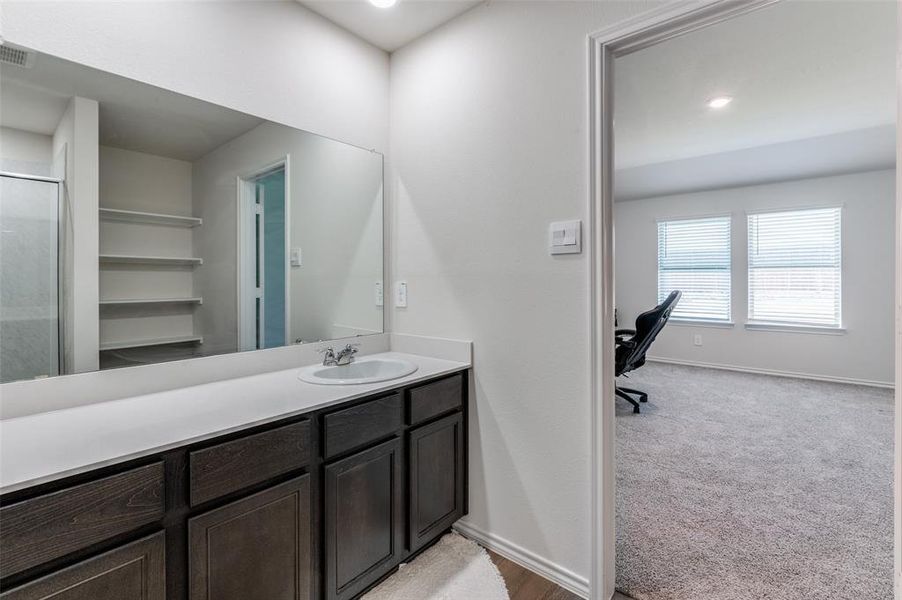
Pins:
x: 328, y: 357
x: 345, y: 356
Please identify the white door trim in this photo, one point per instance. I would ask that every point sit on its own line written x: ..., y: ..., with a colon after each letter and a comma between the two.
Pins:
x: 246, y: 185
x: 647, y: 29
x: 898, y: 347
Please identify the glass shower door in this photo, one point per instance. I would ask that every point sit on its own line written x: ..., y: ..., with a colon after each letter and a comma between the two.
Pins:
x: 29, y: 278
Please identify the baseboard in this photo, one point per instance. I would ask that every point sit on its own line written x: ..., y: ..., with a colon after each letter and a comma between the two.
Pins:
x: 692, y: 363
x: 553, y: 572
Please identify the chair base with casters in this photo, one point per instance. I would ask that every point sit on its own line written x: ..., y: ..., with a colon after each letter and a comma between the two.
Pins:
x: 628, y: 393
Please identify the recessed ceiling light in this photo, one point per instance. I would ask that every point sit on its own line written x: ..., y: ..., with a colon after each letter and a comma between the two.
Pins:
x: 718, y: 102
x: 383, y: 3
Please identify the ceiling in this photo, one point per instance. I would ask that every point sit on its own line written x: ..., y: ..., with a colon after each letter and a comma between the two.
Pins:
x: 814, y: 94
x: 133, y: 115
x: 390, y: 28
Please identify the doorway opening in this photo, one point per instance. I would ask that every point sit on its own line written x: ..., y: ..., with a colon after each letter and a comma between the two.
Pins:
x: 263, y: 230
x: 762, y: 236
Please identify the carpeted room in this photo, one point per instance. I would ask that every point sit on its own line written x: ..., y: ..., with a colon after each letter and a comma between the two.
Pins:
x: 761, y: 465
x: 736, y: 485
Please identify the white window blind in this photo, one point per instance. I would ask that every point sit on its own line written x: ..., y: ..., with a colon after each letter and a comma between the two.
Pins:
x: 694, y: 257
x: 795, y: 267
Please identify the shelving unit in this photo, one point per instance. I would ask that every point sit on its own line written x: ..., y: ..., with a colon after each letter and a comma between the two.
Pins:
x: 134, y: 216
x: 132, y: 301
x: 150, y: 260
x: 151, y: 342
x: 147, y: 271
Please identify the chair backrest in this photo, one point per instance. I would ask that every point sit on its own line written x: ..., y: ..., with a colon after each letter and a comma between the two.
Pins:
x: 648, y: 325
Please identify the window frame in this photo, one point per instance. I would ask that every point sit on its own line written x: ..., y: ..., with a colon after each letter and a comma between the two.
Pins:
x: 675, y: 317
x: 753, y: 324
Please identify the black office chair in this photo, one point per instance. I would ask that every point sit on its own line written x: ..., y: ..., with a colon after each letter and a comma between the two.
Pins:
x: 632, y: 344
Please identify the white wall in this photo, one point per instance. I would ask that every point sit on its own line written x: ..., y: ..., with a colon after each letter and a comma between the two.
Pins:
x: 275, y: 60
x: 76, y: 158
x: 489, y: 144
x: 25, y: 152
x: 864, y: 352
x: 335, y: 212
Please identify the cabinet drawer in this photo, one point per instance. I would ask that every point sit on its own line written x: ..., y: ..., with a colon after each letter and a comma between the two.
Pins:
x: 35, y: 531
x: 359, y: 425
x: 436, y: 398
x: 232, y: 466
x: 136, y: 571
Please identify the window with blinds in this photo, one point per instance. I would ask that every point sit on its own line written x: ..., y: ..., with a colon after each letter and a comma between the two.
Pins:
x: 694, y: 257
x: 795, y: 267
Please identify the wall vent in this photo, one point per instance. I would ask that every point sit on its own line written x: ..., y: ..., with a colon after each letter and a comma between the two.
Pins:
x: 16, y: 56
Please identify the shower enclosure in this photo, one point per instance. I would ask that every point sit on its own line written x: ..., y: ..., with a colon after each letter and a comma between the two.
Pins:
x: 30, y: 339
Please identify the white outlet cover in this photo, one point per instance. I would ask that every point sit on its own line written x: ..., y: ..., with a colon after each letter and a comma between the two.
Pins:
x: 401, y: 294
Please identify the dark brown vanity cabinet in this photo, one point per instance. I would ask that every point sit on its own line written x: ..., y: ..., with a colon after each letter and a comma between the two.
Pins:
x: 256, y: 547
x: 363, y: 518
x: 319, y: 506
x: 436, y: 479
x: 135, y: 571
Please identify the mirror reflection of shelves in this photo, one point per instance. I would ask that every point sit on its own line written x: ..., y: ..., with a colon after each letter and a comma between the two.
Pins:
x: 147, y: 261
x: 134, y: 216
x: 165, y: 341
x: 131, y: 301
x: 137, y: 259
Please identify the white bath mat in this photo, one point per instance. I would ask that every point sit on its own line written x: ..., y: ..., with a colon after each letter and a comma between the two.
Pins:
x: 453, y: 569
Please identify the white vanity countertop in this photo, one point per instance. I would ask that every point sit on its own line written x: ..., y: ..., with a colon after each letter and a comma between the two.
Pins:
x: 43, y: 447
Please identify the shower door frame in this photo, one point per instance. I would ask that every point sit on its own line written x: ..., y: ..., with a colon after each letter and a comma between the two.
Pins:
x: 60, y: 309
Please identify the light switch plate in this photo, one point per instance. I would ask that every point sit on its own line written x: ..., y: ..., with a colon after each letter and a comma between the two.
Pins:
x: 401, y: 294
x: 565, y: 237
x: 295, y: 257
x: 380, y: 297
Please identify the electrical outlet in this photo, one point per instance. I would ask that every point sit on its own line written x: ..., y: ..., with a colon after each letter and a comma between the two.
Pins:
x: 401, y: 294
x: 697, y: 340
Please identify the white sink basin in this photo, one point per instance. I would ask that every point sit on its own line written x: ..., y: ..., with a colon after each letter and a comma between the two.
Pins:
x: 362, y: 370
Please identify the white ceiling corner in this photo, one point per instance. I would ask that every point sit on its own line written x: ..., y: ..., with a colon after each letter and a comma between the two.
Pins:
x: 390, y: 28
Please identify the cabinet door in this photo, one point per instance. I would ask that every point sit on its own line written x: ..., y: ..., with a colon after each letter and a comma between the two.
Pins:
x: 436, y: 479
x: 256, y: 547
x: 364, y: 522
x: 136, y: 571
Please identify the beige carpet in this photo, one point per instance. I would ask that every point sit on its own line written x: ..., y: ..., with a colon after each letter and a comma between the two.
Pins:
x: 734, y: 486
x: 453, y: 569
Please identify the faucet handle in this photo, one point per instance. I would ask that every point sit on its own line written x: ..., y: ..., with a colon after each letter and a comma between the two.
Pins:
x: 326, y: 350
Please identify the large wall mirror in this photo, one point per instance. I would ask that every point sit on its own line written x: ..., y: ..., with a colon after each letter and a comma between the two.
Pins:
x: 140, y: 226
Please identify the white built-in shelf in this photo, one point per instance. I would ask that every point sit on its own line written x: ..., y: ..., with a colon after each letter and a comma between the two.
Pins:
x: 179, y: 339
x: 133, y: 216
x: 124, y: 301
x: 149, y: 260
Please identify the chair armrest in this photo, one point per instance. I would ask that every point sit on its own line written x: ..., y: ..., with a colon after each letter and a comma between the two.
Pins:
x: 620, y: 332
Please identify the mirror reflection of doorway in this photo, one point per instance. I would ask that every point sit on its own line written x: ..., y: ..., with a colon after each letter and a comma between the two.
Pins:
x: 263, y: 261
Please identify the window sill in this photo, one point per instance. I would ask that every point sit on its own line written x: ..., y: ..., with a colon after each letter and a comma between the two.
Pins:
x: 789, y: 328
x: 701, y: 323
